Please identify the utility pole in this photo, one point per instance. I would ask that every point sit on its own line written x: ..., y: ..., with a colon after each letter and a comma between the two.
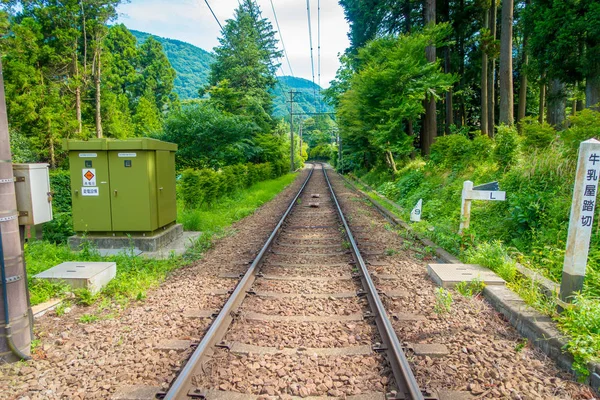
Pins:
x: 292, y: 164
x: 15, y: 326
x: 301, y: 123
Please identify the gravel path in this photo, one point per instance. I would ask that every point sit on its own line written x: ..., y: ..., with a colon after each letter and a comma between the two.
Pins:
x: 77, y: 361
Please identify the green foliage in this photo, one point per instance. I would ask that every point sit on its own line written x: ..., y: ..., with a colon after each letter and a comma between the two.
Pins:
x: 51, y: 56
x: 208, y: 138
x: 84, y: 297
x: 582, y: 126
x: 507, y: 146
x: 386, y: 92
x: 494, y: 256
x: 443, y: 301
x: 205, y: 186
x: 582, y: 322
x: 470, y: 288
x: 213, y: 219
x: 457, y: 151
x: 88, y: 318
x: 536, y: 135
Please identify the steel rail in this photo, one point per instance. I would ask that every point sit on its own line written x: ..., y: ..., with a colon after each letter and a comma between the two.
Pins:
x: 182, y: 385
x: 405, y: 379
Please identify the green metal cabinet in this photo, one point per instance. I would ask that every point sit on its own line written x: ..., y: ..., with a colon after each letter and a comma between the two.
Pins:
x: 122, y: 186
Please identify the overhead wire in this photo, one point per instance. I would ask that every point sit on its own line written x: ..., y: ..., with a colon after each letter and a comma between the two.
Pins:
x: 319, y: 52
x: 312, y: 59
x: 281, y: 38
x: 213, y: 13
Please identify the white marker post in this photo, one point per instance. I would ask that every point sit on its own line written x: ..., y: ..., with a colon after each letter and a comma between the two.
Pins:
x: 415, y: 214
x: 582, y: 218
x: 472, y: 193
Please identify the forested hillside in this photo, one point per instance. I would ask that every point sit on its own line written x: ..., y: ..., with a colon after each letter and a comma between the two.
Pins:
x: 191, y: 63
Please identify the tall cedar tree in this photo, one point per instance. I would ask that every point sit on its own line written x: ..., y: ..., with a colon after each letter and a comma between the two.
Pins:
x: 244, y: 69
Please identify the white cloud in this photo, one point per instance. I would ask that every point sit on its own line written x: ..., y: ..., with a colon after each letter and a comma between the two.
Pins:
x: 192, y: 22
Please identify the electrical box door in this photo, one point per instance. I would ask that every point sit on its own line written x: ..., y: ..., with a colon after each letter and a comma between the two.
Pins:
x: 90, y: 191
x: 132, y: 187
x: 165, y: 181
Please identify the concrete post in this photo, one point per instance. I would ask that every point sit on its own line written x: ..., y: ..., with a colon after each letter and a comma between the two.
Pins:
x: 465, y: 207
x: 582, y: 218
x: 15, y: 338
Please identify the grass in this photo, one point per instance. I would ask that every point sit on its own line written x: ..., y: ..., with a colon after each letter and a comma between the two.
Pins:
x: 228, y: 210
x: 136, y: 275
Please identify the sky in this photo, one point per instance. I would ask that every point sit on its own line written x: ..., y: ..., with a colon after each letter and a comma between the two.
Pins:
x: 191, y: 21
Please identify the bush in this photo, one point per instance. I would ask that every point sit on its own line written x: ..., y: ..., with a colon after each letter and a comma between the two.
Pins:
x: 60, y: 183
x: 205, y: 186
x: 536, y: 135
x: 582, y: 126
x: 451, y: 150
x: 507, y: 146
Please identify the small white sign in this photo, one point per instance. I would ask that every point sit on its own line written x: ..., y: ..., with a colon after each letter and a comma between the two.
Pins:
x: 494, y: 195
x: 415, y: 214
x: 88, y: 155
x: 127, y: 155
x: 90, y: 191
x: 89, y: 177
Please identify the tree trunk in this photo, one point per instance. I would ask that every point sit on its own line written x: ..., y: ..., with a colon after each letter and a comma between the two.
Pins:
x: 506, y: 68
x: 391, y: 162
x: 557, y: 103
x: 449, y: 99
x: 430, y: 122
x: 51, y: 145
x: 523, y: 84
x: 409, y: 128
x: 484, y: 78
x: 97, y: 82
x: 592, y: 92
x: 542, y: 100
x: 407, y: 20
x: 77, y: 94
x: 492, y: 75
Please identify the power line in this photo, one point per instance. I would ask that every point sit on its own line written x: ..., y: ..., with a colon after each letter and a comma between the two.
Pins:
x: 213, y: 13
x: 319, y: 51
x: 281, y: 38
x: 312, y: 59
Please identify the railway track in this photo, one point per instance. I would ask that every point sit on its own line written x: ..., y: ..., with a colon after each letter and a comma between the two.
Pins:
x: 304, y: 320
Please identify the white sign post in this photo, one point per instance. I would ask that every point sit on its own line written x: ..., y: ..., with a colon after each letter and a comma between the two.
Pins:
x: 415, y: 214
x: 582, y: 218
x: 469, y: 193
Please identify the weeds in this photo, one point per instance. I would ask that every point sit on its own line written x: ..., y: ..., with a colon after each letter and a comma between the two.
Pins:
x: 443, y: 301
x: 470, y: 289
x: 88, y: 318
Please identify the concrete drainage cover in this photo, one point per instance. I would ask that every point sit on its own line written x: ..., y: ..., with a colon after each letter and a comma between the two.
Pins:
x: 449, y: 275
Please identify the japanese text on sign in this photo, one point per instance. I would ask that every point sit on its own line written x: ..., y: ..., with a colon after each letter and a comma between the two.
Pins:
x: 89, y: 177
x: 590, y: 188
x: 90, y: 191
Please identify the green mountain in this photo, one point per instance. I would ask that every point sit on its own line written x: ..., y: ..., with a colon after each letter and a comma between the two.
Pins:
x: 307, y: 99
x: 192, y: 65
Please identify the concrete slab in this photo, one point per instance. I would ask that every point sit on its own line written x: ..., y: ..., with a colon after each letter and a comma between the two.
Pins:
x: 427, y: 349
x: 140, y: 241
x: 88, y: 275
x: 42, y: 308
x: 449, y: 275
x: 136, y: 392
x: 176, y: 247
x: 173, y: 344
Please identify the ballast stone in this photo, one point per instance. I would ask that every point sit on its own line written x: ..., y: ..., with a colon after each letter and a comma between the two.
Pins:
x: 81, y: 275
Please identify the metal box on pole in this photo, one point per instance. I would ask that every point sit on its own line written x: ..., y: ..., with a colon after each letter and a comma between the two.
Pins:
x: 34, y: 198
x: 122, y: 187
